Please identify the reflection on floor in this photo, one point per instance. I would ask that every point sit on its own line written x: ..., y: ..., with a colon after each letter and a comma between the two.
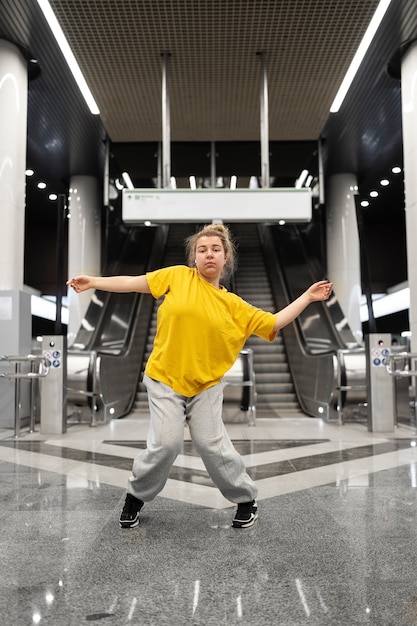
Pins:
x: 335, y: 543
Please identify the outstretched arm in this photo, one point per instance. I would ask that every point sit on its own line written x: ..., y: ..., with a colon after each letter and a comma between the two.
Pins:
x: 118, y: 284
x: 316, y: 292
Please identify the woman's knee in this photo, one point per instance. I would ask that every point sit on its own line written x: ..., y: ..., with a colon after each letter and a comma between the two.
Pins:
x: 166, y: 449
x: 208, y: 445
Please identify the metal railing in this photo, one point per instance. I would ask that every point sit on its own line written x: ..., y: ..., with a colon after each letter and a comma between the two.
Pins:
x: 42, y: 368
x: 404, y: 365
x: 242, y: 374
x: 82, y: 370
x: 351, y: 377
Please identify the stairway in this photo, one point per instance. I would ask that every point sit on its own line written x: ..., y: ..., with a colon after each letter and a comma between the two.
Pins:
x: 274, y: 387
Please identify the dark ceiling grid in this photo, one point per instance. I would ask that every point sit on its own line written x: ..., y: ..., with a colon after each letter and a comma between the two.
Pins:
x: 110, y: 42
x: 214, y: 68
x: 303, y: 72
x: 214, y: 101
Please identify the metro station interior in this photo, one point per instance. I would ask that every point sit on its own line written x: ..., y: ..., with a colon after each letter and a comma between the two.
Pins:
x: 324, y: 417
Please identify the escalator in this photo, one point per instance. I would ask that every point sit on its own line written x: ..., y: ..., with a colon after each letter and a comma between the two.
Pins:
x: 319, y: 335
x: 300, y: 370
x: 274, y: 388
x: 109, y: 346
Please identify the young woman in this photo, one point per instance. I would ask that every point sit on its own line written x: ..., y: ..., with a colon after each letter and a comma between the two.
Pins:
x: 201, y: 329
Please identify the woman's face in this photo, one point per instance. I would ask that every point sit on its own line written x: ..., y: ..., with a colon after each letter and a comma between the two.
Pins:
x: 210, y: 258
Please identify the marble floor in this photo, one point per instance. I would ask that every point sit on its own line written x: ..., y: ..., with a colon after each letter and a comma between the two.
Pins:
x: 335, y: 543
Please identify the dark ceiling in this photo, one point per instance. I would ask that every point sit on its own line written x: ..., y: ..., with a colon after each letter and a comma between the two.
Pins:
x: 214, y: 90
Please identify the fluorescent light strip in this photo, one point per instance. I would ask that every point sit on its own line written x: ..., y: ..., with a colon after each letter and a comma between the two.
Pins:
x: 301, y: 179
x: 69, y: 57
x: 46, y: 309
x: 193, y: 183
x: 387, y: 305
x: 360, y: 53
x: 128, y: 180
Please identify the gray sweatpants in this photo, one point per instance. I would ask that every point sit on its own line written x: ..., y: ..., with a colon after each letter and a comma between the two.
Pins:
x: 203, y: 412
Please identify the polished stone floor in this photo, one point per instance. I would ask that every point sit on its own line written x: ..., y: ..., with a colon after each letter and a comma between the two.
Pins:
x: 335, y: 543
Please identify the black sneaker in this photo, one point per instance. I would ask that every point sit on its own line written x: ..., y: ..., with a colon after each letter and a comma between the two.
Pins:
x: 129, y: 517
x: 246, y: 514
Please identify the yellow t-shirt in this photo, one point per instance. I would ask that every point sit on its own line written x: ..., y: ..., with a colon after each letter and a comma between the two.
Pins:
x: 200, y: 330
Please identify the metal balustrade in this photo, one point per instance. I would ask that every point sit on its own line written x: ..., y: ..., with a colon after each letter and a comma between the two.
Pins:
x: 351, y: 379
x: 42, y: 369
x: 404, y: 365
x: 242, y: 374
x: 82, y: 375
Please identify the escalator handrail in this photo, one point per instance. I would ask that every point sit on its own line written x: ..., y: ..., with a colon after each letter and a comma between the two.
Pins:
x: 312, y: 266
x: 105, y: 297
x: 106, y: 362
x: 275, y: 269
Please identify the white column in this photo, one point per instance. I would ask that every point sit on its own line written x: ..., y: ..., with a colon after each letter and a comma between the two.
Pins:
x: 15, y: 314
x: 409, y: 119
x: 83, y: 244
x: 343, y: 252
x: 13, y: 130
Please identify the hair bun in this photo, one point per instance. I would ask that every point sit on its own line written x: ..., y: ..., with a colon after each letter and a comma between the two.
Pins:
x: 219, y: 227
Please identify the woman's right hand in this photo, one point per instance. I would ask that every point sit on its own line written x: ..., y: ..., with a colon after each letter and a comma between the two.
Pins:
x: 81, y: 283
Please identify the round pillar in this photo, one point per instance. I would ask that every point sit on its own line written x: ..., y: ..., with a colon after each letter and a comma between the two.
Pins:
x: 84, y: 241
x: 15, y: 317
x: 13, y: 131
x: 343, y: 252
x: 409, y: 119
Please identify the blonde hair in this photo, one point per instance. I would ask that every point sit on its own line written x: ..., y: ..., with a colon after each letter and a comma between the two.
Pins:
x: 213, y: 230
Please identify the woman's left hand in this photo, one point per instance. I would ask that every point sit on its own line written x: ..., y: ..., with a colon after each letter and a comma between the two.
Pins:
x: 320, y: 291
